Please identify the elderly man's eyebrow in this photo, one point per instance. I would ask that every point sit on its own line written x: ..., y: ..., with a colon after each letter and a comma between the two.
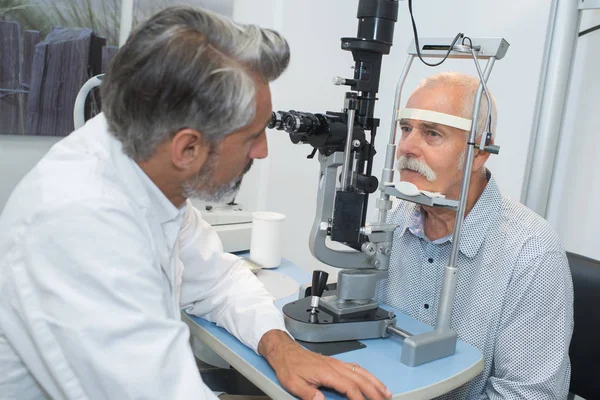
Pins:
x: 431, y: 125
x: 424, y: 124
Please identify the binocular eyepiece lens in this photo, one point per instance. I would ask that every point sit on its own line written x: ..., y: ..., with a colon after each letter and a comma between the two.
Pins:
x: 294, y: 122
x: 276, y: 120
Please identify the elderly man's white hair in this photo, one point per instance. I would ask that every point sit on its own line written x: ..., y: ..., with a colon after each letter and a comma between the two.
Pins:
x: 468, y: 85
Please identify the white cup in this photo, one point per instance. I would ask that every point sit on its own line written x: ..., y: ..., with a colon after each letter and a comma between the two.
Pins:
x: 266, y: 242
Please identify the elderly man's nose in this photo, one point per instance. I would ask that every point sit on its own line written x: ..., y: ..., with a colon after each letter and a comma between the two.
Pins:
x: 409, y: 144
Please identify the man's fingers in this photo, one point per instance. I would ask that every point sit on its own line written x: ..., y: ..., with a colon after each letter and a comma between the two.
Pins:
x: 318, y: 396
x: 343, y: 384
x: 302, y: 379
x: 366, y: 387
x: 371, y: 379
x: 359, y: 377
x: 304, y: 390
x: 309, y: 393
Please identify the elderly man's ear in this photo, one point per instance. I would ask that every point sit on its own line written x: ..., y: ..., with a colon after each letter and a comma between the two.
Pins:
x: 480, y: 159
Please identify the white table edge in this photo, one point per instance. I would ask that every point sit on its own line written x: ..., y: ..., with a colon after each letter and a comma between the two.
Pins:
x: 265, y: 384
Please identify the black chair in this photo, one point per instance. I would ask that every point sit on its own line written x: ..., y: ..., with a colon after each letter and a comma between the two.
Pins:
x: 585, y: 344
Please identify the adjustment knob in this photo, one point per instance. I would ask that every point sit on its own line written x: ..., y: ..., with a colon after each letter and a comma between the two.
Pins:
x: 319, y: 282
x: 338, y: 80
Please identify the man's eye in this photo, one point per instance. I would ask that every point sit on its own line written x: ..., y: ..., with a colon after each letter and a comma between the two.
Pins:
x: 254, y: 138
x: 433, y: 134
x: 405, y: 129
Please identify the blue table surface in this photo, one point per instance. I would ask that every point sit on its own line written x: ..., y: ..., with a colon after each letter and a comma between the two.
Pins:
x: 381, y: 357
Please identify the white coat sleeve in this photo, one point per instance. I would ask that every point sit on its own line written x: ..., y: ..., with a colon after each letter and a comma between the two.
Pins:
x: 217, y: 287
x: 98, y: 306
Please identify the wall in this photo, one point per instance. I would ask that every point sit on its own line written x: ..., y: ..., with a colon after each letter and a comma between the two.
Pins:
x: 286, y: 181
x: 18, y: 154
x: 573, y: 207
x: 314, y: 28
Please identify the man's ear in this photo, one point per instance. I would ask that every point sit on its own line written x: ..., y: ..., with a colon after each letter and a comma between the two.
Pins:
x: 480, y: 158
x: 189, y: 150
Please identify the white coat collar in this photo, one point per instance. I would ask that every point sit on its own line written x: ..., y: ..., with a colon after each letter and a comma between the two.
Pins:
x: 141, y: 188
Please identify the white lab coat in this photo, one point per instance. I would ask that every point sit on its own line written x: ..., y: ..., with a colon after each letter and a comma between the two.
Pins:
x: 95, y: 265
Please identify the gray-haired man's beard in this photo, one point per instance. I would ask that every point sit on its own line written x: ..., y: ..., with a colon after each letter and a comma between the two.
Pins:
x: 416, y: 165
x: 217, y: 194
x: 200, y: 188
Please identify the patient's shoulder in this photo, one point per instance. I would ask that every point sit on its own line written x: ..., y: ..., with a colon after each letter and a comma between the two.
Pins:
x: 525, y: 230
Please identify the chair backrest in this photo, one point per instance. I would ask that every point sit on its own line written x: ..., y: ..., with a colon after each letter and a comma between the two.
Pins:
x: 584, y: 351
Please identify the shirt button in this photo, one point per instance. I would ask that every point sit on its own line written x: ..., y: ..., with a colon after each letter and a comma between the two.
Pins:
x: 430, y: 260
x: 426, y: 306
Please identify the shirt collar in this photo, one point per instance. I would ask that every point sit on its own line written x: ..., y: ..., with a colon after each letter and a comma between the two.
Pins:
x: 162, y: 207
x: 141, y: 188
x: 475, y: 226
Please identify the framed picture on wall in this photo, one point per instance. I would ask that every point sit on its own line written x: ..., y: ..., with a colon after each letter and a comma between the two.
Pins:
x: 50, y: 48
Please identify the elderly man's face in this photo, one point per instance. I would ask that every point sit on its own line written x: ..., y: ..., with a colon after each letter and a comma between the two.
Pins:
x: 428, y: 154
x: 221, y: 175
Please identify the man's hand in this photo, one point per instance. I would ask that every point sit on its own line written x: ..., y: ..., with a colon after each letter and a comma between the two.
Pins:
x: 301, y: 371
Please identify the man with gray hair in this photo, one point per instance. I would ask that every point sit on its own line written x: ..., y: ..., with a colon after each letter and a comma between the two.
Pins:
x: 100, y: 247
x: 514, y: 295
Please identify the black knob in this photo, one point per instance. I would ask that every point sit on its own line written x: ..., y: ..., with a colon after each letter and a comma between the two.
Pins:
x: 319, y: 282
x: 367, y: 183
